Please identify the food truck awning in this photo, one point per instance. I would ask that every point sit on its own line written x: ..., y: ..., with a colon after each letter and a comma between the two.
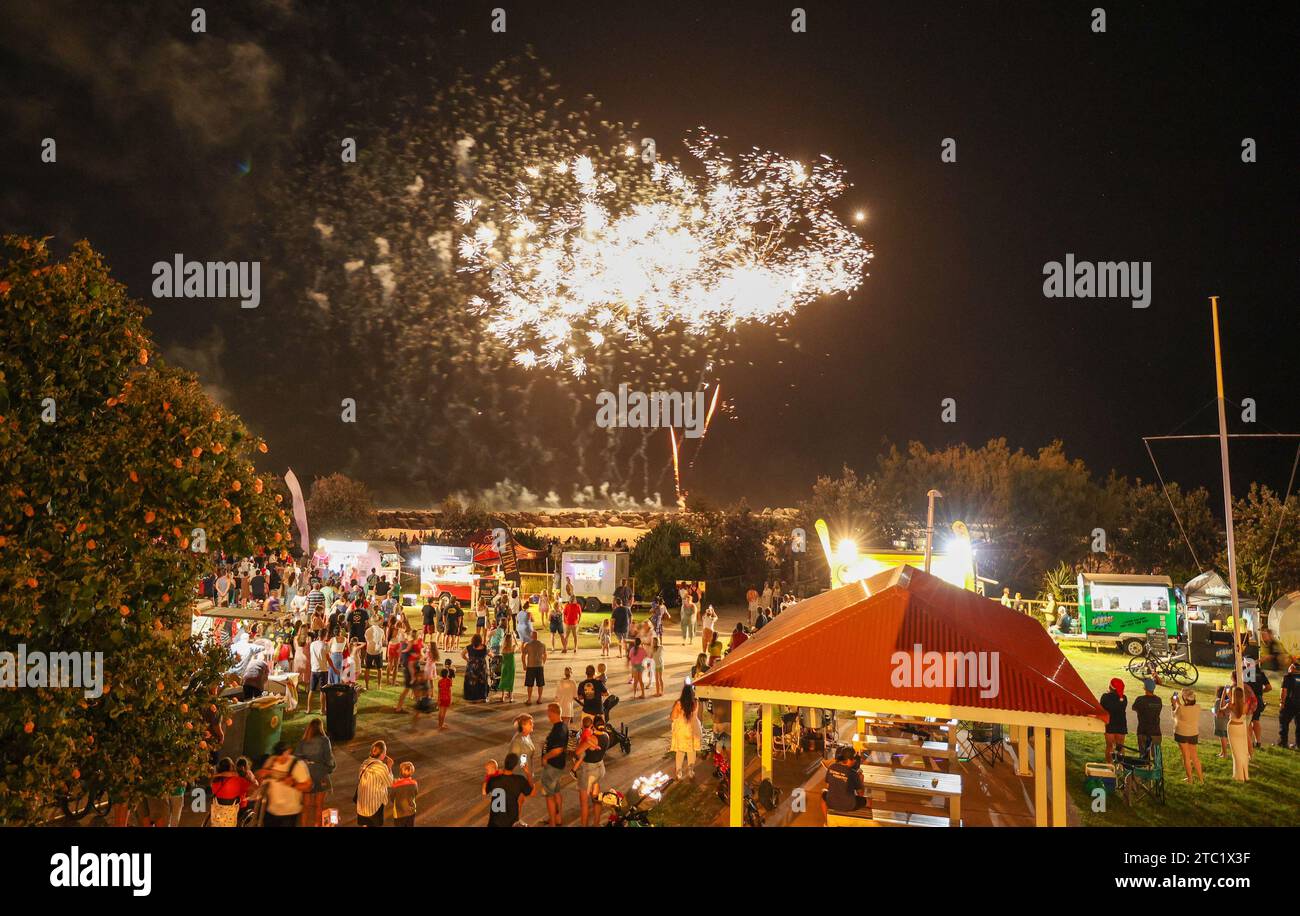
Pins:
x: 850, y: 642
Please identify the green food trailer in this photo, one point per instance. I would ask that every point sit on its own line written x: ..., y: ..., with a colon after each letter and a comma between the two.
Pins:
x: 1118, y: 610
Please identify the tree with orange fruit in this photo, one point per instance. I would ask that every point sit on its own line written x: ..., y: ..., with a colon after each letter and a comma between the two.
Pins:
x: 111, y: 462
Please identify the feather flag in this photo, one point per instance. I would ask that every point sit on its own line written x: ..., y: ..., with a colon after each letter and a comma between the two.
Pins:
x: 299, y: 509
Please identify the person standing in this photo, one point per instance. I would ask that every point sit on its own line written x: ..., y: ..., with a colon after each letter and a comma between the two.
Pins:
x: 1147, y: 708
x: 1115, y: 704
x: 317, y: 752
x: 709, y: 626
x: 658, y: 615
x: 1222, y: 711
x: 1289, y: 706
x: 285, y: 779
x: 375, y: 644
x: 553, y: 615
x: 1187, y: 732
x: 566, y: 695
x: 403, y: 793
x: 689, y: 614
x: 1239, y: 735
x: 319, y: 654
x: 223, y: 588
x: 571, y: 615
x: 373, y: 782
x: 256, y: 674
x: 523, y: 746
x: 523, y: 623
x: 620, y: 619
x: 1259, y: 685
x: 534, y: 658
x: 476, y: 673
x: 636, y: 657
x: 591, y: 769
x: 687, y: 735
x: 506, y: 791
x: 554, y: 753
x: 507, y: 685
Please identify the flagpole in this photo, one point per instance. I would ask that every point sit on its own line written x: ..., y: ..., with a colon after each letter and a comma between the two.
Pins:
x: 1227, y: 496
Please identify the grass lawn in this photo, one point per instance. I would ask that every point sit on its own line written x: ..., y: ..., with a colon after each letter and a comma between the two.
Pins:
x: 1270, y: 799
x: 1097, y: 667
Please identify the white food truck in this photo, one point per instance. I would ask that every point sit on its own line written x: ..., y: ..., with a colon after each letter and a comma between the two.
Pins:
x: 593, y: 574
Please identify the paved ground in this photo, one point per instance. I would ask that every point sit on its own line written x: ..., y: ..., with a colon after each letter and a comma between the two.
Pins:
x: 449, y: 764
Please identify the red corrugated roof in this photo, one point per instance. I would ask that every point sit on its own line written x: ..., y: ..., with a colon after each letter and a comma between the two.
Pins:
x: 843, y: 643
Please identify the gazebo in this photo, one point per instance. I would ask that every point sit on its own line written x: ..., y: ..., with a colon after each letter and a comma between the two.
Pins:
x: 856, y: 648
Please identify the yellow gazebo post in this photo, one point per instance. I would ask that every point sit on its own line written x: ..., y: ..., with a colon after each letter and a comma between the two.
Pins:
x: 1058, y: 777
x: 1040, y: 777
x: 766, y: 741
x: 737, y: 763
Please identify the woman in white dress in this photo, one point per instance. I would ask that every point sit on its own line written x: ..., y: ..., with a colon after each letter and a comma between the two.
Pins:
x: 1239, y: 735
x: 687, y: 736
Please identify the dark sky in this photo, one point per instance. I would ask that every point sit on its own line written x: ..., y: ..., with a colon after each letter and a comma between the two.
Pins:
x: 1117, y: 146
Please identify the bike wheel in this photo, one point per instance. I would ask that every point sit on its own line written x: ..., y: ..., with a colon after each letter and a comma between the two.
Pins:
x: 1183, y: 673
x: 1137, y: 667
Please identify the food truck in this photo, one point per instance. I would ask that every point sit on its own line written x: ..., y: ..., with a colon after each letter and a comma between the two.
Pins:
x: 1117, y: 610
x: 593, y: 575
x: 355, y: 559
x: 447, y: 572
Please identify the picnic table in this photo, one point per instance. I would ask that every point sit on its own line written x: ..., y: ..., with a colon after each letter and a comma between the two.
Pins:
x: 922, y: 783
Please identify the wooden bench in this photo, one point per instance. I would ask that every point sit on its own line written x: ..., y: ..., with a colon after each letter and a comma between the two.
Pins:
x: 938, y: 750
x: 881, y: 818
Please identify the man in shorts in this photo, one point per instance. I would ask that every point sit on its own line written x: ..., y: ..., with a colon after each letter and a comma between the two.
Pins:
x: 620, y: 620
x: 534, y: 658
x: 572, y: 614
x: 591, y: 769
x: 375, y: 643
x: 554, y: 755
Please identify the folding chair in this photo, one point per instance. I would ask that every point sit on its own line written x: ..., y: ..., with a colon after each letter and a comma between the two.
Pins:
x: 985, y: 742
x: 1144, y: 779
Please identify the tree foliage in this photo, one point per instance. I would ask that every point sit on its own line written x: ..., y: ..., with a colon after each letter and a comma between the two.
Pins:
x: 340, y: 507
x: 657, y: 561
x: 110, y: 464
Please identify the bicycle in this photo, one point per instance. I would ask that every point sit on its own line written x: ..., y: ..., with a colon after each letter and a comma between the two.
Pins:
x: 1172, y: 669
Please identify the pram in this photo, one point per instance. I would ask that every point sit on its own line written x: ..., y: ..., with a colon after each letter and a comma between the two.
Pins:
x: 493, y: 673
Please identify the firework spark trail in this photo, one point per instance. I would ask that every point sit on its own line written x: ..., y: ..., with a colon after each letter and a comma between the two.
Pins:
x: 751, y: 241
x: 677, y: 470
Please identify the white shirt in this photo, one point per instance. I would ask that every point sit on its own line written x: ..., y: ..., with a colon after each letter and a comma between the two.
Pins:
x: 375, y: 639
x: 319, y: 652
x: 566, y: 693
x: 281, y: 799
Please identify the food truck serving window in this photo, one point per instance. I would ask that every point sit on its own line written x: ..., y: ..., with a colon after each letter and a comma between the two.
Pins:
x: 588, y: 570
x: 1133, y: 599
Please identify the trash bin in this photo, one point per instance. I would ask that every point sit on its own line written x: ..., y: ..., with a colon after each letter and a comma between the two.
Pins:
x: 262, y: 729
x: 1098, y: 776
x: 340, y: 711
x: 233, y: 745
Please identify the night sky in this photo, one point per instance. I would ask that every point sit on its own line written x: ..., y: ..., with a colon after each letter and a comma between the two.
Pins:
x: 1117, y: 146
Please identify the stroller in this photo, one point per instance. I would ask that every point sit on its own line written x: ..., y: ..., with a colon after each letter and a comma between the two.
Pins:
x: 493, y: 673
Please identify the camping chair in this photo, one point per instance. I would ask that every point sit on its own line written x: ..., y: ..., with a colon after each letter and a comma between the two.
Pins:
x: 790, y: 735
x: 1144, y: 779
x: 985, y: 742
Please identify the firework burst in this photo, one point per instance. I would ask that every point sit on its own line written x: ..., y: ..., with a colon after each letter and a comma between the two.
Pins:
x: 752, y: 240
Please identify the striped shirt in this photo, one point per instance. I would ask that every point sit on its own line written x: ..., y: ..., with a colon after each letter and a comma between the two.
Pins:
x: 372, y: 786
x: 315, y: 600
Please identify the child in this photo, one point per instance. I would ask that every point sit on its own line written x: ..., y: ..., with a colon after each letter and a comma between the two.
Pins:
x: 402, y: 794
x: 421, y: 686
x: 657, y: 656
x: 489, y: 770
x: 600, y: 674
x: 352, y: 664
x: 444, y: 694
x: 604, y: 638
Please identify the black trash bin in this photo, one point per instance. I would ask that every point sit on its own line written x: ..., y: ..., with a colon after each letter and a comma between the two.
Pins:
x: 340, y: 711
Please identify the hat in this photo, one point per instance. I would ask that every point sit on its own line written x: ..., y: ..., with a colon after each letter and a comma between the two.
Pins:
x: 1149, y: 685
x: 1117, y: 685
